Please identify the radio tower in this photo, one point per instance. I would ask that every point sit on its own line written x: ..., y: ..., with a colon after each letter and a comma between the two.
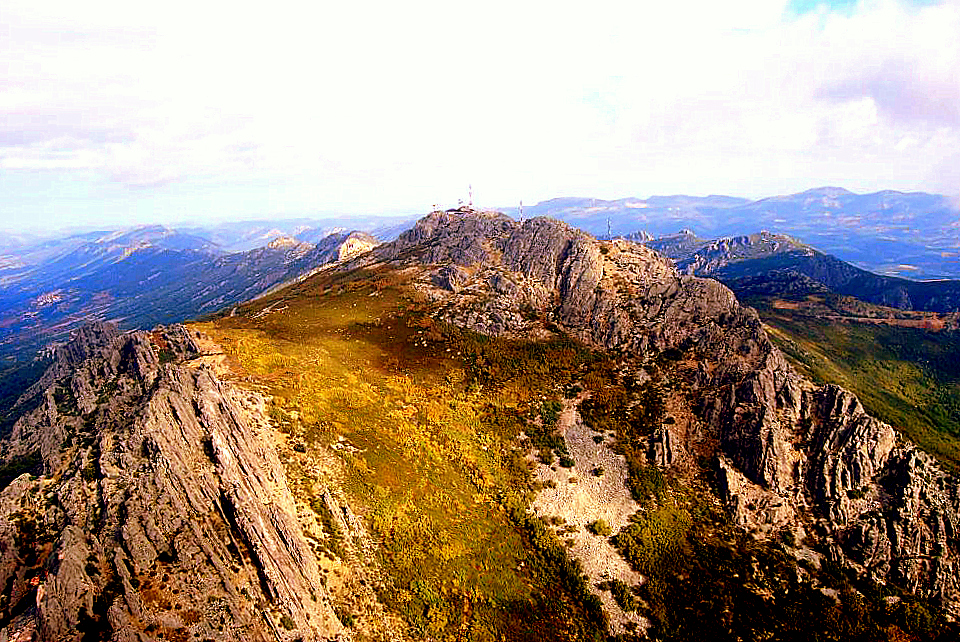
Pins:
x: 521, y: 212
x: 470, y: 194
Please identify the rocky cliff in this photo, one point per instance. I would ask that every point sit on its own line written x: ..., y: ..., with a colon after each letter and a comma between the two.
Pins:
x: 155, y: 506
x: 790, y: 455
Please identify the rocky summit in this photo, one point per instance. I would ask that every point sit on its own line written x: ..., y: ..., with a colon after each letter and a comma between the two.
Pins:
x: 789, y: 453
x: 158, y: 485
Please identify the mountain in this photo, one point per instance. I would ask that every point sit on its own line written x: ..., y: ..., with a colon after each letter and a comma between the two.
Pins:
x: 240, y: 236
x: 481, y: 430
x: 64, y: 257
x: 893, y: 233
x: 757, y: 260
x: 142, y: 277
x: 157, y: 504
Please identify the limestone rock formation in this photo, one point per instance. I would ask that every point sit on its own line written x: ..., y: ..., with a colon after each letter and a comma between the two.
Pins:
x: 159, y: 508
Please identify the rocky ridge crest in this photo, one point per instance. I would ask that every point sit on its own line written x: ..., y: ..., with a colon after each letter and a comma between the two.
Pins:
x: 162, y: 510
x: 791, y: 455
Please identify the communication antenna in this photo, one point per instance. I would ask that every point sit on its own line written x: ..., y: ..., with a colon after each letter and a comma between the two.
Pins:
x: 608, y: 228
x: 470, y: 193
x: 521, y: 211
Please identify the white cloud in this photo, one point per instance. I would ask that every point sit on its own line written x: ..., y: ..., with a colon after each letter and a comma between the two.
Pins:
x: 385, y: 104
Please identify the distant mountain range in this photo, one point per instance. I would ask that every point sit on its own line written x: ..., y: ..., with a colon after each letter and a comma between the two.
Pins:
x: 915, y: 234
x: 779, y: 264
x: 238, y: 236
x: 154, y: 274
x: 142, y: 277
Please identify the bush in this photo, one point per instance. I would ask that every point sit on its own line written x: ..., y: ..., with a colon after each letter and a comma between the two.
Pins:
x: 346, y: 617
x: 600, y: 528
x: 622, y: 594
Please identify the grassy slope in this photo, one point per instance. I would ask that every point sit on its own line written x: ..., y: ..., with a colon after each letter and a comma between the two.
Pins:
x: 430, y: 418
x: 908, y: 377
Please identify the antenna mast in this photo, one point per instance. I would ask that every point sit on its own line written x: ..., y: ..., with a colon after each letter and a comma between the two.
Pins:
x: 470, y: 193
x: 521, y: 211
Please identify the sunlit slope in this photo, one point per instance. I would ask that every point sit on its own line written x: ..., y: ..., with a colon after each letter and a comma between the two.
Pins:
x: 432, y: 433
x: 354, y: 364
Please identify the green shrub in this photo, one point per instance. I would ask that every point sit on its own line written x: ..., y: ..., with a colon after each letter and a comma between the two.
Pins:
x: 599, y: 527
x: 622, y: 593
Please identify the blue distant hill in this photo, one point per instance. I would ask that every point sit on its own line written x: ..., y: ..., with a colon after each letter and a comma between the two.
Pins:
x: 910, y: 234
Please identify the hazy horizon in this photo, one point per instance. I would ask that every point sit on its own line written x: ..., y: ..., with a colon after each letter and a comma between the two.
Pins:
x: 81, y: 228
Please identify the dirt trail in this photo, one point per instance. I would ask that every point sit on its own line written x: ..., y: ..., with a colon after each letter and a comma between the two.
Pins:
x: 579, y: 497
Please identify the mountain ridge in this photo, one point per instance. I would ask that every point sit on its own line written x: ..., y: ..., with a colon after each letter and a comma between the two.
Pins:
x: 735, y: 260
x: 706, y: 400
x: 789, y: 451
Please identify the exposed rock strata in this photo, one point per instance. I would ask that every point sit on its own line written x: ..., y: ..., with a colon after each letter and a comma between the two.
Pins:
x: 162, y: 511
x: 790, y: 454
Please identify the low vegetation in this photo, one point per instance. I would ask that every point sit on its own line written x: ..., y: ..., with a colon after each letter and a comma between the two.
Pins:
x: 600, y: 528
x: 427, y: 421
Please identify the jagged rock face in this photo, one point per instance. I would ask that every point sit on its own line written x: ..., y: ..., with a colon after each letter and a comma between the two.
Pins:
x: 615, y: 295
x: 803, y: 456
x: 162, y: 511
x: 790, y: 454
x: 84, y: 342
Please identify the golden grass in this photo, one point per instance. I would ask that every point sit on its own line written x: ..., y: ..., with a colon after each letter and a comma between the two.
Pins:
x: 426, y: 438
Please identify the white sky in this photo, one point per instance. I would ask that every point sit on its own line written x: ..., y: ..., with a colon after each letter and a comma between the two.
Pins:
x: 113, y: 112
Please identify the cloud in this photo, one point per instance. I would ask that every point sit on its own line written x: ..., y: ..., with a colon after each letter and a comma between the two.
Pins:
x: 380, y: 104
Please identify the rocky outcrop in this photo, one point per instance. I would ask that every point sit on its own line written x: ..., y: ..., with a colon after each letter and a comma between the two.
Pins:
x: 342, y: 246
x: 614, y: 294
x: 162, y: 511
x: 790, y: 454
x: 83, y: 343
x: 810, y: 458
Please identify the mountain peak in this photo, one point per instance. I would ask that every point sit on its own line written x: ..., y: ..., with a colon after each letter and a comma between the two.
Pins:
x: 283, y: 243
x: 828, y: 191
